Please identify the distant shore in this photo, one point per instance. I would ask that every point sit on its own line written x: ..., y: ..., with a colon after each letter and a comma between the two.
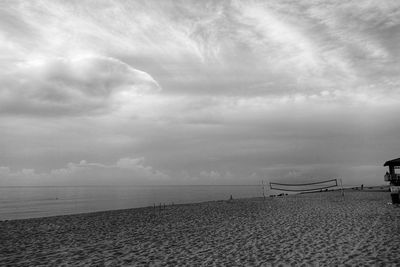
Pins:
x: 321, y: 228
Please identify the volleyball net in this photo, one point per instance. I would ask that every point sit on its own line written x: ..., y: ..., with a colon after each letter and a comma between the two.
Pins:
x: 304, y: 187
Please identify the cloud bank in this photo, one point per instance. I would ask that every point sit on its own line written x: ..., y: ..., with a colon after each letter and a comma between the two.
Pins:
x: 125, y: 171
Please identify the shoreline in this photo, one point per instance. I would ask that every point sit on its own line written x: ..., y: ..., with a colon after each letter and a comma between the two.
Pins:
x: 349, y: 189
x: 137, y: 208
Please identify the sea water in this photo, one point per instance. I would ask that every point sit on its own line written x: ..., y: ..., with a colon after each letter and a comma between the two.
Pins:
x: 21, y: 202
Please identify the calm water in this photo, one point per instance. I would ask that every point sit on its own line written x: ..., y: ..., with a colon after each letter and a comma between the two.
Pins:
x: 31, y: 202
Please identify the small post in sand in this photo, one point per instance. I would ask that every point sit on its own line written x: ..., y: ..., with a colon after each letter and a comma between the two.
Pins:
x: 341, y: 186
x: 263, y: 188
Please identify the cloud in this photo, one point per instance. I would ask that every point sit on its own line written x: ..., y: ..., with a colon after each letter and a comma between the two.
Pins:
x: 126, y: 171
x: 125, y: 168
x: 218, y: 47
x: 82, y: 85
x: 246, y: 85
x: 138, y: 165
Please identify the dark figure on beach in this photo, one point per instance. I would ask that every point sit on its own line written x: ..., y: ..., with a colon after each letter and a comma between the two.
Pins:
x: 362, y: 187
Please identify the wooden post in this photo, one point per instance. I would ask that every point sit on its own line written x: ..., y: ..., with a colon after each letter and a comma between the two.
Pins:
x: 263, y: 188
x: 341, y: 186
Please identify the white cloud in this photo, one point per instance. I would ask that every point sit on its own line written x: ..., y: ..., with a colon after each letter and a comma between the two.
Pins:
x: 138, y: 165
x: 127, y: 171
x: 135, y: 167
x: 81, y: 85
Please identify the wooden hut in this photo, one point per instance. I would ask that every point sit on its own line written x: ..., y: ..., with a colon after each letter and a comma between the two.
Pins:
x: 393, y: 176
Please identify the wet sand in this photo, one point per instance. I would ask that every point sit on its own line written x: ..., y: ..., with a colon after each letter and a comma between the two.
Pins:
x: 310, y: 229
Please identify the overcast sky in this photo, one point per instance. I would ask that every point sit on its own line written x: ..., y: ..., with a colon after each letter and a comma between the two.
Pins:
x: 198, y: 92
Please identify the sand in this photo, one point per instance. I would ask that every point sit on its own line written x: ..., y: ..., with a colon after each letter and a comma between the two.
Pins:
x: 310, y: 229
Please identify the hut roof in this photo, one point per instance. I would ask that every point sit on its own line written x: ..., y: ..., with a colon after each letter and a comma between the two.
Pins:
x: 393, y: 162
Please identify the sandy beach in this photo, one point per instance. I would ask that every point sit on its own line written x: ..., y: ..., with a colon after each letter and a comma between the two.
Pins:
x: 317, y: 229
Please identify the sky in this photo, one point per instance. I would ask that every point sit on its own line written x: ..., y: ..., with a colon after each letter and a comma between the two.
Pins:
x: 198, y: 92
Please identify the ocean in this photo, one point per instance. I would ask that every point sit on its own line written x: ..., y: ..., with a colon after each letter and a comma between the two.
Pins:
x: 22, y: 202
